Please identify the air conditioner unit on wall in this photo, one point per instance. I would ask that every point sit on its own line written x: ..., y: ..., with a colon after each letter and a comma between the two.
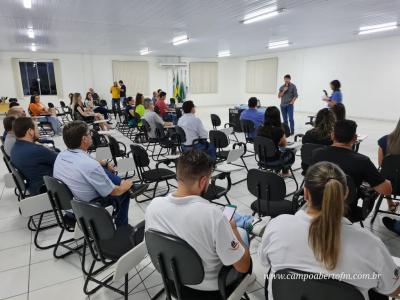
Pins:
x: 171, y: 62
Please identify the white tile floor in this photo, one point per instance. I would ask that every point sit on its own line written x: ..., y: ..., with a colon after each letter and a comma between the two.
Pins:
x: 29, y: 273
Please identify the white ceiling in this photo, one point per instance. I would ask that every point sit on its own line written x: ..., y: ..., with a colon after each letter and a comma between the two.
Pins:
x: 124, y: 27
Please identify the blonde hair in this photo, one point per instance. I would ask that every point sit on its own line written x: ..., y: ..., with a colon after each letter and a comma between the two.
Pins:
x: 327, y: 185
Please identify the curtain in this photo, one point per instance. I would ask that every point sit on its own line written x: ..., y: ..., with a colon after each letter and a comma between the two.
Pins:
x: 203, y: 77
x: 261, y: 76
x: 134, y: 74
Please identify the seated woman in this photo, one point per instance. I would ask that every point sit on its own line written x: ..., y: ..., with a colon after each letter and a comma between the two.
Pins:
x: 323, y: 127
x: 320, y: 240
x: 84, y: 113
x: 133, y: 118
x: 139, y: 108
x: 272, y: 128
x: 89, y: 103
x: 389, y: 145
x: 37, y: 109
x: 340, y: 111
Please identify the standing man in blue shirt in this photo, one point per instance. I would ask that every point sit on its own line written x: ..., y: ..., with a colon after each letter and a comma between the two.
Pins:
x: 288, y: 96
x: 32, y: 160
x: 253, y: 114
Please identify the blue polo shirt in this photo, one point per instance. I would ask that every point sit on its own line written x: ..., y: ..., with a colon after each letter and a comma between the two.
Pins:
x: 254, y: 115
x: 33, y: 161
x: 337, y: 97
x: 83, y: 175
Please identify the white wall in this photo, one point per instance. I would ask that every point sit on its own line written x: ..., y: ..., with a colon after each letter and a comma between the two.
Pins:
x: 369, y: 71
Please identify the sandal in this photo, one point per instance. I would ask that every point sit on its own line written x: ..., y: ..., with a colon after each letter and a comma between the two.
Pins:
x: 393, y: 207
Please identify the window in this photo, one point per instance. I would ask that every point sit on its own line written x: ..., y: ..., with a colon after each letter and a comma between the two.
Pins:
x: 38, y: 78
x: 203, y: 77
x: 261, y: 76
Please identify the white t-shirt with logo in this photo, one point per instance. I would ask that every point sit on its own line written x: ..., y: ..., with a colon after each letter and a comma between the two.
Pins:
x: 203, y: 226
x: 285, y: 245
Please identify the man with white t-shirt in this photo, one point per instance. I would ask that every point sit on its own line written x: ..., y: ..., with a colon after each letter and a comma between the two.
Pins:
x: 202, y: 225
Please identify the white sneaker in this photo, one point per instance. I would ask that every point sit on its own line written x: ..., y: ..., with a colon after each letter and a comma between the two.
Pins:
x: 259, y: 225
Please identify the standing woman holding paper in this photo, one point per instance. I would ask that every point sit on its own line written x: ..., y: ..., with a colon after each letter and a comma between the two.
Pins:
x: 336, y: 96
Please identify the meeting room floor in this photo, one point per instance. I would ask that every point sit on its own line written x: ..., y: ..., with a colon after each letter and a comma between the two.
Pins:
x: 29, y: 273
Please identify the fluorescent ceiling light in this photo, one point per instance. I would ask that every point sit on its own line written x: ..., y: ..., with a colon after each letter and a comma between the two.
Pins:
x: 28, y: 3
x: 31, y: 33
x: 261, y: 14
x: 279, y: 44
x: 180, y: 40
x: 225, y: 53
x: 33, y: 47
x: 145, y: 51
x: 377, y: 28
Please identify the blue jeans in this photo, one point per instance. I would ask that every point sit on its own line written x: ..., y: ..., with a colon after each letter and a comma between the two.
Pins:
x: 55, y: 124
x: 287, y: 113
x: 122, y: 202
x: 115, y: 104
x: 208, y: 148
x: 242, y: 223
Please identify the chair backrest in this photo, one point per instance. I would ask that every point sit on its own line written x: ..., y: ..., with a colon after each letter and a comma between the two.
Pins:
x: 20, y: 182
x: 219, y: 139
x: 352, y: 197
x: 248, y: 128
x: 307, y: 152
x: 62, y: 104
x: 290, y: 284
x: 146, y: 126
x: 178, y: 112
x: 391, y: 171
x: 181, y: 135
x: 174, y: 258
x: 215, y: 121
x: 140, y: 156
x: 114, y: 147
x: 264, y: 148
x: 160, y: 132
x: 59, y: 194
x: 266, y: 185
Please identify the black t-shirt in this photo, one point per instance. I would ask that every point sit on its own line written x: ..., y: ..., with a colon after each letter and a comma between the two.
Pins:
x: 275, y: 134
x: 312, y: 138
x: 122, y: 94
x: 358, y: 166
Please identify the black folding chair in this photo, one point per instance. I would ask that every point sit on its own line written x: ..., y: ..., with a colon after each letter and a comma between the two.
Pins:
x: 248, y: 129
x: 180, y: 265
x: 167, y: 141
x: 216, y: 122
x: 270, y: 190
x: 60, y: 198
x: 306, y: 153
x: 147, y: 175
x: 45, y: 127
x: 269, y: 157
x: 391, y: 171
x: 118, y: 149
x: 123, y: 248
x: 290, y: 284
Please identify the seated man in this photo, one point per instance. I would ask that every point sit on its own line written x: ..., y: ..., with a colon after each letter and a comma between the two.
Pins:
x: 87, y: 178
x: 358, y: 166
x: 9, y: 139
x: 202, y: 225
x: 252, y: 114
x: 32, y: 160
x: 194, y: 130
x: 152, y: 118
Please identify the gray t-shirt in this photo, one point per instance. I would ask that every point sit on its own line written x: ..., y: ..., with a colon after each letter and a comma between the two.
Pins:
x: 288, y: 95
x: 152, y: 118
x: 9, y: 143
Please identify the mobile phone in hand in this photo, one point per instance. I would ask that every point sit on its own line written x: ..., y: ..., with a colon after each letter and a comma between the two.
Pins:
x: 229, y: 211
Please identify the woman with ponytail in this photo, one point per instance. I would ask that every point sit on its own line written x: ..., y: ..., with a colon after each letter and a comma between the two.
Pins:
x: 320, y: 240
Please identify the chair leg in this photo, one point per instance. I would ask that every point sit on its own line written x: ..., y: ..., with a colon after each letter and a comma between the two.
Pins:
x: 126, y: 287
x: 377, y: 207
x: 227, y: 199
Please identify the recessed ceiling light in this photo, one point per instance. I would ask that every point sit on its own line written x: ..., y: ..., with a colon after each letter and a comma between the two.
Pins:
x: 180, y: 40
x: 278, y: 44
x: 145, y: 51
x: 377, y: 28
x: 31, y: 33
x: 225, y: 53
x: 33, y: 47
x: 28, y: 3
x: 262, y: 14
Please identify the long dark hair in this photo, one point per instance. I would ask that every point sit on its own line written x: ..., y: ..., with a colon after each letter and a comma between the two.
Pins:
x: 272, y: 118
x: 336, y: 85
x: 138, y: 99
x: 393, y: 141
x: 324, y: 123
x: 340, y: 111
x: 33, y: 98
